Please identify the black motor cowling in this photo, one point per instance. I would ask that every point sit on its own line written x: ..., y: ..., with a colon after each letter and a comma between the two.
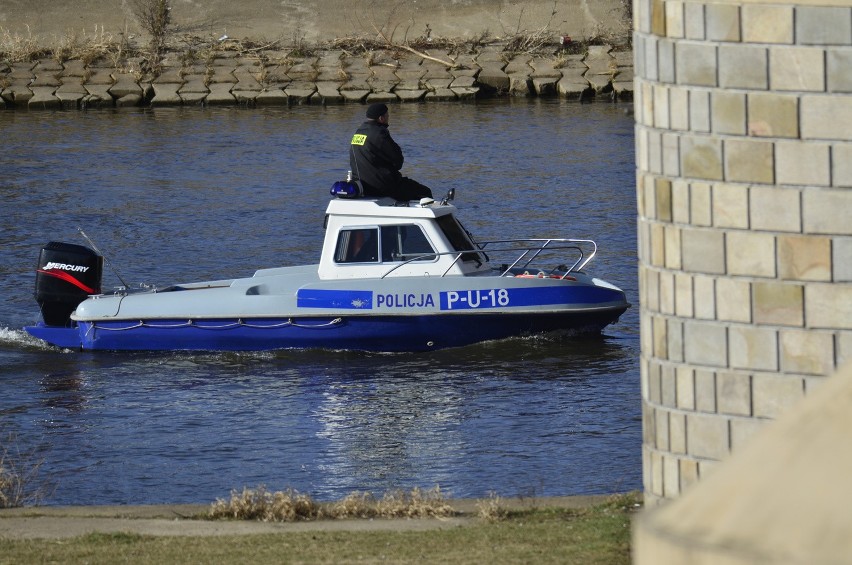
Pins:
x: 65, y: 276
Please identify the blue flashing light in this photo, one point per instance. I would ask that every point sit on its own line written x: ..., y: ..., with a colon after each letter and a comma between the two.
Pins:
x: 346, y: 189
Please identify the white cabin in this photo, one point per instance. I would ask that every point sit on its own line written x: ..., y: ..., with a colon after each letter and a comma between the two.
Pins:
x: 374, y: 238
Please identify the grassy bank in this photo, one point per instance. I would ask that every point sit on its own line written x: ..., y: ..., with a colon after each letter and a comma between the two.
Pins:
x: 597, y: 534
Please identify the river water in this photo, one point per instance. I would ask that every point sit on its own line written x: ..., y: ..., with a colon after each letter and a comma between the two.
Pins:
x: 174, y: 195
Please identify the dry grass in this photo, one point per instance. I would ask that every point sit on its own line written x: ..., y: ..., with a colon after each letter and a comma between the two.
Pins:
x: 19, y: 475
x: 86, y: 47
x: 492, y: 509
x: 291, y: 506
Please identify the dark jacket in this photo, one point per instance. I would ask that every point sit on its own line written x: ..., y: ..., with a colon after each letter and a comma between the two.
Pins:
x: 376, y: 159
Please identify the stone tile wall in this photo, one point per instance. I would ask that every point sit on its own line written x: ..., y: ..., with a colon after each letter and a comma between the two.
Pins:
x: 744, y: 192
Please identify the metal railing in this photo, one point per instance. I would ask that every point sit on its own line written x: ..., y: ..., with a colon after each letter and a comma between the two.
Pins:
x: 530, y: 250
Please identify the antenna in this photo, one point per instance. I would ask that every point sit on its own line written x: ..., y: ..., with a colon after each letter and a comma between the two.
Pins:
x: 99, y: 252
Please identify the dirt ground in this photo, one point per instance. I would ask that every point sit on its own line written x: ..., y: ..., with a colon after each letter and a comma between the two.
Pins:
x: 179, y: 520
x: 319, y: 20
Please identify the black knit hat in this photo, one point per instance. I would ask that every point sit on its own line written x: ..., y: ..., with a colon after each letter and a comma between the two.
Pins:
x: 376, y: 110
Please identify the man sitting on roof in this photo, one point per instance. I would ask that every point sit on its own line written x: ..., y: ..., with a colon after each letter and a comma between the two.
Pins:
x: 376, y: 159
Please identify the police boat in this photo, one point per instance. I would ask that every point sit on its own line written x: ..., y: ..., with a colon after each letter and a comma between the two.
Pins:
x: 393, y: 277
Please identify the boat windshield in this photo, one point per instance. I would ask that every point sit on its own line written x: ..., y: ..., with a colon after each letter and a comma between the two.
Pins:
x: 457, y: 236
x: 393, y: 244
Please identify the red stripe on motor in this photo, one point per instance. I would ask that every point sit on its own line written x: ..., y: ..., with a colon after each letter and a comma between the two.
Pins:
x: 69, y: 279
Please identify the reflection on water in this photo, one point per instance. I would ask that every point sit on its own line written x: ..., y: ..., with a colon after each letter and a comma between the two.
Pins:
x: 174, y: 195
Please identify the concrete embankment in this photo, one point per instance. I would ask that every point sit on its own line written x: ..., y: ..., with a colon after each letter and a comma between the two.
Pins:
x: 228, y: 76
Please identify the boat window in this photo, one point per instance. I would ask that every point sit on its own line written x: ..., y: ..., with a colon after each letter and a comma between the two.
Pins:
x: 402, y: 243
x: 357, y: 246
x: 457, y: 237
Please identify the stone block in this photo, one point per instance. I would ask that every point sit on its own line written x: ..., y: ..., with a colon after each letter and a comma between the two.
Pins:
x: 778, y: 304
x: 655, y: 151
x: 775, y: 394
x: 844, y: 348
x: 753, y: 348
x: 165, y: 94
x: 661, y: 338
x: 356, y: 96
x: 797, y: 69
x: 804, y: 258
x: 675, y: 340
x: 829, y: 306
x: 220, y: 94
x: 674, y: 19
x: 667, y: 295
x: 699, y: 111
x: 749, y: 161
x: 700, y: 204
x: 722, y: 22
x: 742, y: 430
x: 818, y: 25
x: 125, y: 84
x: 672, y: 248
x: 671, y: 476
x: 688, y: 473
x: 694, y: 20
x: 99, y: 96
x: 750, y: 254
x: 773, y: 208
x: 679, y: 108
x: 730, y: 206
x: 43, y: 98
x: 440, y: 95
x: 701, y: 157
x: 301, y: 92
x: 773, y: 115
x: 685, y: 388
x: 663, y: 199
x: 733, y: 300
x: 703, y: 251
x: 801, y: 163
x: 705, y: 391
x: 677, y: 433
x: 649, y: 58
x: 683, y: 295
x: 704, y: 297
x: 661, y: 107
x: 820, y: 211
x: 826, y: 117
x: 328, y: 93
x: 841, y: 165
x: 733, y: 393
x: 705, y: 343
x: 695, y: 64
x: 271, y: 96
x: 667, y: 386
x: 410, y: 95
x: 658, y: 245
x: 707, y: 436
x: 671, y: 154
x: 666, y: 61
x: 728, y: 111
x: 743, y: 66
x: 680, y: 201
x: 839, y: 70
x: 767, y: 24
x: 658, y: 17
x: 841, y: 259
x: 807, y: 352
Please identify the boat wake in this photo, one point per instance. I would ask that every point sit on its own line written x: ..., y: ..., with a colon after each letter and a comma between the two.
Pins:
x: 19, y: 339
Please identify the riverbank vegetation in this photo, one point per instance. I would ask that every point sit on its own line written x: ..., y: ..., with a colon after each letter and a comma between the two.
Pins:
x: 593, y: 535
x: 163, y: 37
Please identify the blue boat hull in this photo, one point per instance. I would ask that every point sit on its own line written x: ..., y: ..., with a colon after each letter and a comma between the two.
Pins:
x: 364, y: 333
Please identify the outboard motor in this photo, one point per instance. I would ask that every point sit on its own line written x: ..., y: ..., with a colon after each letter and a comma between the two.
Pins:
x: 65, y: 276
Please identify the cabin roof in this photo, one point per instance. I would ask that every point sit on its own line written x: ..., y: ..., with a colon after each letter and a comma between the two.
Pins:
x: 387, y: 207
